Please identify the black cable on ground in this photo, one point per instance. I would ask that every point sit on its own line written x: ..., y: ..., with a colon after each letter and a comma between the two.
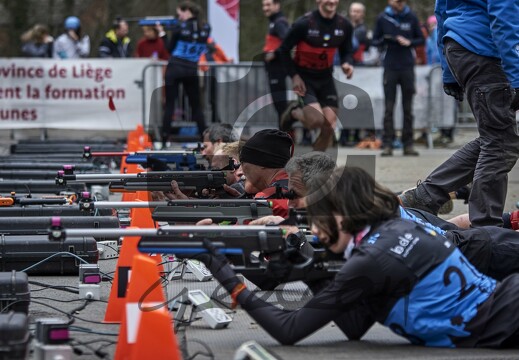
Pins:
x: 70, y: 289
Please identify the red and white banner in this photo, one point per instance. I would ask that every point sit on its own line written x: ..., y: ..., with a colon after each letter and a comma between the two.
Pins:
x: 224, y: 18
x: 71, y: 94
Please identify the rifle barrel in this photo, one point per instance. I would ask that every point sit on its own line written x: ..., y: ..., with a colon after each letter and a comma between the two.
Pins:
x: 184, y: 231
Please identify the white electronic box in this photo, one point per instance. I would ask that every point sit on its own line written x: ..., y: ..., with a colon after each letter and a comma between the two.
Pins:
x: 199, y: 270
x: 213, y: 315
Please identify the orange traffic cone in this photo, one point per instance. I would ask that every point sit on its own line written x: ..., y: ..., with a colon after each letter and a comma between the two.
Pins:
x: 138, y: 139
x: 155, y: 337
x: 129, y: 168
x: 144, y: 138
x: 117, y: 297
x: 143, y: 195
x: 145, y: 295
x: 141, y: 218
x: 128, y: 196
x: 132, y: 137
x: 146, y: 334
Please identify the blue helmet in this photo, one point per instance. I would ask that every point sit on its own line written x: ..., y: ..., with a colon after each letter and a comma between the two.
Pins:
x: 72, y: 22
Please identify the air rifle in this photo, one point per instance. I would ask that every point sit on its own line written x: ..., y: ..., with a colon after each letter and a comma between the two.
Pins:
x: 161, y: 181
x: 237, y: 241
x: 39, y: 186
x: 27, y: 165
x: 257, y: 252
x: 167, y: 21
x: 31, y: 225
x: 171, y: 160
x: 157, y: 160
x: 27, y: 174
x: 149, y: 181
x: 24, y: 200
x: 88, y: 153
x: 253, y: 250
x: 221, y: 211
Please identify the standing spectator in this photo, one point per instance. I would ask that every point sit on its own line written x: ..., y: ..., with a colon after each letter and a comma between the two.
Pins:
x: 71, y: 44
x: 188, y: 43
x: 398, y: 30
x: 151, y: 45
x: 420, y: 50
x: 481, y: 47
x: 37, y: 42
x: 431, y: 44
x: 433, y: 58
x: 116, y: 43
x: 278, y: 29
x: 215, y: 54
x: 356, y: 14
x: 316, y: 37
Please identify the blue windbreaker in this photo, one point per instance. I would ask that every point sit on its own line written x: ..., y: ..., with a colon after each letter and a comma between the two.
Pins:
x: 485, y: 27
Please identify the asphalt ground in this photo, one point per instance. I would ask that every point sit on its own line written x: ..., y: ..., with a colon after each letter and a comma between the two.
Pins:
x: 397, y: 173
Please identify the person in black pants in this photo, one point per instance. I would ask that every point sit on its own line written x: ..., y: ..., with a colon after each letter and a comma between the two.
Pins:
x: 479, y: 53
x: 398, y: 30
x: 278, y: 29
x: 188, y: 43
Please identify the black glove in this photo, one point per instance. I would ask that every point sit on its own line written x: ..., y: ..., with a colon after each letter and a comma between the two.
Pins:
x: 219, y: 266
x: 454, y: 90
x: 515, y: 101
x: 279, y: 269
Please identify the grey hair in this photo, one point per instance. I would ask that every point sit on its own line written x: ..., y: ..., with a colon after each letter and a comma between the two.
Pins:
x: 220, y: 132
x: 310, y: 165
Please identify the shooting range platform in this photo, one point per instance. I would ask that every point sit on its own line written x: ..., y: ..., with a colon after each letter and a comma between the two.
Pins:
x: 397, y: 173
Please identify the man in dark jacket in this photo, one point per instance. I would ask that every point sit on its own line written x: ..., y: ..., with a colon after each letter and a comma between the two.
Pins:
x: 398, y: 30
x: 116, y: 43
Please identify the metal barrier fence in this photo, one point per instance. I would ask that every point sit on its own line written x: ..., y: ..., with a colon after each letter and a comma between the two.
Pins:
x: 239, y: 94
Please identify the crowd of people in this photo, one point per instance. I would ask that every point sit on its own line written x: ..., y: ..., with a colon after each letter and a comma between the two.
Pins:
x: 397, y: 34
